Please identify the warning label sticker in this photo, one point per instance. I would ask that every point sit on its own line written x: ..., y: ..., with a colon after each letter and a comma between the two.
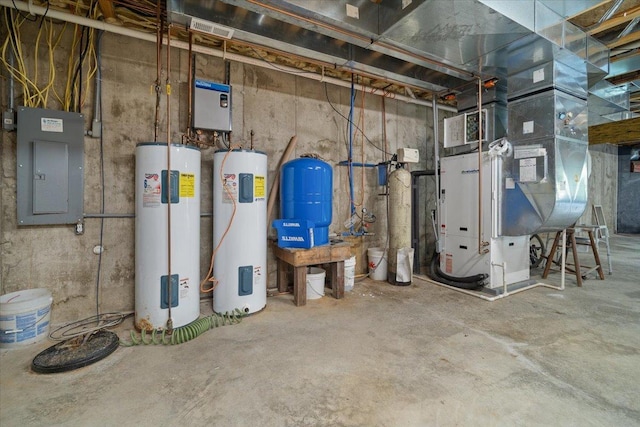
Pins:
x: 187, y: 185
x: 528, y: 170
x: 257, y: 275
x: 152, y: 190
x: 448, y: 260
x: 51, y: 125
x: 229, y: 188
x: 259, y: 187
x: 184, y: 287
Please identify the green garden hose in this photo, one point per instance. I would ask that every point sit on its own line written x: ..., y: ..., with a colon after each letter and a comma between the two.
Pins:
x: 187, y: 332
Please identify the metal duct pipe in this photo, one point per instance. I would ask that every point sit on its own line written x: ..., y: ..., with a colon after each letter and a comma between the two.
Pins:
x: 91, y: 23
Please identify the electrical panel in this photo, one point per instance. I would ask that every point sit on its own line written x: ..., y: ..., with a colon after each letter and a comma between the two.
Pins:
x: 50, y: 156
x: 211, y: 106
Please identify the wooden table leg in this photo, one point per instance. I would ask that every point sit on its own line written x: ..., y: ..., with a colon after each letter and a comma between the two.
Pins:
x: 576, y: 261
x: 337, y: 279
x: 551, y: 256
x: 596, y: 255
x: 300, y: 285
x: 282, y: 278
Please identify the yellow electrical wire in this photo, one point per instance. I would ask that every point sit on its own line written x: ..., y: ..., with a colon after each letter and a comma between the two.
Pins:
x: 35, y: 94
x: 28, y: 85
x: 52, y: 49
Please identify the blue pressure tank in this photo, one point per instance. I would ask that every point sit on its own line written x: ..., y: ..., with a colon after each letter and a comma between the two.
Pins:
x: 306, y: 191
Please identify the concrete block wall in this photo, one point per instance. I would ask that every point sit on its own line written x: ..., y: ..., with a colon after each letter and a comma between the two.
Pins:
x: 273, y: 104
x: 603, y: 189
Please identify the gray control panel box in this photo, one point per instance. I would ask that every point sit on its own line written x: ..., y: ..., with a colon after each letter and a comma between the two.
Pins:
x: 211, y: 106
x: 50, y: 156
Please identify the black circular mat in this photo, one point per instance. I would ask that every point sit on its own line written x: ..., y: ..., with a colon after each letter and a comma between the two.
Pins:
x: 75, y: 353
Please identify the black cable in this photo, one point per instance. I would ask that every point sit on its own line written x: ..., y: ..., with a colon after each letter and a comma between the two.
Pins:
x: 88, y: 325
x: 11, y: 29
x: 102, y: 207
x: 34, y: 19
x: 45, y: 14
x: 326, y: 94
x: 469, y: 283
x: 77, y: 76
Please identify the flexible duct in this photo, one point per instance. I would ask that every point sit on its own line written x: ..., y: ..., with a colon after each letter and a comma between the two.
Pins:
x: 470, y: 282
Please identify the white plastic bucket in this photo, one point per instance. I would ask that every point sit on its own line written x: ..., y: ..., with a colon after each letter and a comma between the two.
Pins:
x: 24, y: 317
x: 315, y: 283
x: 349, y: 273
x: 377, y: 263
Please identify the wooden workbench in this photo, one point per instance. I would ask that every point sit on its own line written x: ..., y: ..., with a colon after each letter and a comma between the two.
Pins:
x: 332, y: 255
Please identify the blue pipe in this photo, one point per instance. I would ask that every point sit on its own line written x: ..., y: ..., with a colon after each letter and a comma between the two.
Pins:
x: 357, y: 164
x: 353, y: 100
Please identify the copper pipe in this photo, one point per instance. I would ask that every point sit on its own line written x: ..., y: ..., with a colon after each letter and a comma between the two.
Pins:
x: 159, y: 30
x: 168, y: 92
x: 190, y: 86
x: 481, y: 242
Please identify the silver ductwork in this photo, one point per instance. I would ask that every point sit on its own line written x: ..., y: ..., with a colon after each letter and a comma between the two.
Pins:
x: 545, y: 177
x: 549, y: 66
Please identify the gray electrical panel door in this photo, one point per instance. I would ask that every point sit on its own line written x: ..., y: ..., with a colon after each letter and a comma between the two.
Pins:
x: 50, y: 156
x: 50, y: 177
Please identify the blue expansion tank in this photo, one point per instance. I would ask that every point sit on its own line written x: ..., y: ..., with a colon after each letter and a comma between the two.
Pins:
x: 306, y: 191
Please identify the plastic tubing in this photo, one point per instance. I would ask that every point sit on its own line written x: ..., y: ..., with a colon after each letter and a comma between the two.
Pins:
x: 470, y: 282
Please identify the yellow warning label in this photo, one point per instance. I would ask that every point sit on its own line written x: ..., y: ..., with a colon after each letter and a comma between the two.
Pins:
x: 259, y: 189
x: 187, y: 185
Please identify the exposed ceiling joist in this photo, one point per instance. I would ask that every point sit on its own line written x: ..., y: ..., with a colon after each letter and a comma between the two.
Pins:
x: 629, y: 38
x: 622, y: 132
x: 616, y: 21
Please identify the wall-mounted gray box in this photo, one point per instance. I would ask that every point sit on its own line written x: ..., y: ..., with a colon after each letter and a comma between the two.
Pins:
x: 50, y: 156
x: 211, y: 106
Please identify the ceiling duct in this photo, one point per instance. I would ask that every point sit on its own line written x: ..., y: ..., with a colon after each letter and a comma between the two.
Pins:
x: 256, y: 26
x: 207, y: 27
x: 442, y: 45
x: 436, y: 45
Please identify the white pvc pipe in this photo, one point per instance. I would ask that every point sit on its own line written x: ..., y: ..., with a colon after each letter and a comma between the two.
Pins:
x: 486, y: 297
x: 564, y: 258
x: 92, y: 23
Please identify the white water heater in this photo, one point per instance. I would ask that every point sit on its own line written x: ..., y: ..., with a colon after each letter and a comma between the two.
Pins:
x: 240, y: 230
x: 158, y: 288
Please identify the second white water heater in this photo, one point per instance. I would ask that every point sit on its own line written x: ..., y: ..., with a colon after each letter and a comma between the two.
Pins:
x: 167, y: 281
x: 240, y: 230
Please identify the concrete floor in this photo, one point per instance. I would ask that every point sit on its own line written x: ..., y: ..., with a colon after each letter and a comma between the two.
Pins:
x: 383, y: 356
